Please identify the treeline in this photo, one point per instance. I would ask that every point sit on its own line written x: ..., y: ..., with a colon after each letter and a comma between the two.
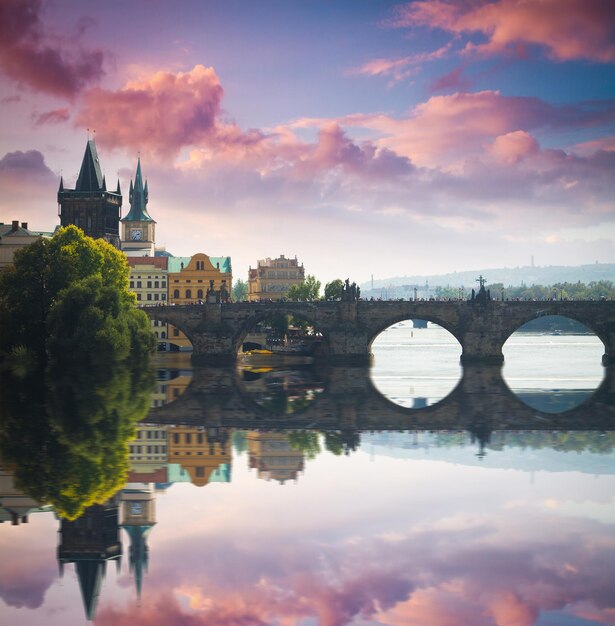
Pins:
x: 595, y: 290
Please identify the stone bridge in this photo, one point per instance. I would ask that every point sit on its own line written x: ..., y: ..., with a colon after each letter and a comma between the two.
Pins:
x: 216, y: 331
x: 481, y: 402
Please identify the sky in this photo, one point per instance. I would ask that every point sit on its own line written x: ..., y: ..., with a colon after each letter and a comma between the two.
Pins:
x: 366, y: 137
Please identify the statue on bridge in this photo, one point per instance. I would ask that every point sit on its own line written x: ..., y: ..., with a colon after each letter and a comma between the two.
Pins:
x: 484, y: 295
x: 350, y: 293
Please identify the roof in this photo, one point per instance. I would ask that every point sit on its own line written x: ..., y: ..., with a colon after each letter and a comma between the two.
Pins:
x: 159, y: 262
x: 90, y: 175
x: 175, y: 263
x: 138, y: 197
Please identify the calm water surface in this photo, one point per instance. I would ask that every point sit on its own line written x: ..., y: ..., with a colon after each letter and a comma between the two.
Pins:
x: 428, y: 526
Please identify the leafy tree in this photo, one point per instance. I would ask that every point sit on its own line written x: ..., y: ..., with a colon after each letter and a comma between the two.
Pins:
x: 308, y: 290
x: 42, y: 293
x: 333, y: 290
x: 240, y: 290
x: 306, y: 441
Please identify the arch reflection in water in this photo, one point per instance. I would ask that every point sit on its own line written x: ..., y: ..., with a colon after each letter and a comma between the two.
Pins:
x: 281, y: 391
x: 416, y: 363
x: 564, y: 370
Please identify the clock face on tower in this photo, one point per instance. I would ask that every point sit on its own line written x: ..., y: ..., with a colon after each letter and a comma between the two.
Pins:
x: 136, y: 508
x: 136, y: 234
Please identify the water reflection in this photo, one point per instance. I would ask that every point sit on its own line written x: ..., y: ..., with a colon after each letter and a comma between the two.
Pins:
x: 349, y: 509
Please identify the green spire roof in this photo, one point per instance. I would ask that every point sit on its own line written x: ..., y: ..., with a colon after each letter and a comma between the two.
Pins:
x: 90, y: 175
x: 138, y: 197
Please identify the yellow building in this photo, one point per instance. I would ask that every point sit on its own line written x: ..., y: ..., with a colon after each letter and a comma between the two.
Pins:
x: 272, y: 278
x: 190, y: 280
x: 205, y: 453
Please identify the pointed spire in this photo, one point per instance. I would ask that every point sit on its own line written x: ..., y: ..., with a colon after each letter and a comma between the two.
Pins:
x: 138, y: 197
x: 118, y: 190
x: 90, y: 176
x: 104, y: 183
x: 61, y: 188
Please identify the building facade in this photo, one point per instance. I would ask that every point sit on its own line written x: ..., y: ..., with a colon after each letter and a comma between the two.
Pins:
x: 90, y: 206
x: 272, y: 278
x: 13, y: 237
x: 190, y: 280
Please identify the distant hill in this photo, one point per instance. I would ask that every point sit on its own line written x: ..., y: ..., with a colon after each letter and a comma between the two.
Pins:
x: 514, y: 276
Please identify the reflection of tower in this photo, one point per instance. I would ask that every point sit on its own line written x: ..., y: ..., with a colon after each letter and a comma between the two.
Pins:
x: 89, y: 542
x: 273, y: 457
x: 138, y: 518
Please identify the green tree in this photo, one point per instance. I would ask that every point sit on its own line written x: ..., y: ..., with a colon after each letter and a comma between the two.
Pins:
x: 308, y: 290
x: 42, y: 296
x: 240, y: 290
x: 333, y: 290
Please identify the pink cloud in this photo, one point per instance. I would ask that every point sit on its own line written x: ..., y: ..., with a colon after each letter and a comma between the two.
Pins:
x: 29, y: 55
x: 402, y: 68
x: 162, y: 113
x: 513, y: 147
x: 57, y: 116
x: 451, y: 80
x: 23, y: 166
x: 568, y: 29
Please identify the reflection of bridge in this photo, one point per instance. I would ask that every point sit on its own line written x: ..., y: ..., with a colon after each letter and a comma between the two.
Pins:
x: 349, y: 328
x: 349, y: 401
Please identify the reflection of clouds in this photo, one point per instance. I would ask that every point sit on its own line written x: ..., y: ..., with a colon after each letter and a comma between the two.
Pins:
x: 477, y: 571
x: 27, y: 570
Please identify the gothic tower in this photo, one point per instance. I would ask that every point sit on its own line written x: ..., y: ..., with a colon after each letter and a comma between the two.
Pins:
x: 138, y: 228
x: 89, y: 205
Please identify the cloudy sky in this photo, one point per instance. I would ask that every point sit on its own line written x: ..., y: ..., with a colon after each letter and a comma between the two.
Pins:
x: 365, y: 137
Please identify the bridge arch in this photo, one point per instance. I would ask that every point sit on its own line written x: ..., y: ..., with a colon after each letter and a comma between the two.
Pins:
x: 384, y: 324
x: 248, y: 323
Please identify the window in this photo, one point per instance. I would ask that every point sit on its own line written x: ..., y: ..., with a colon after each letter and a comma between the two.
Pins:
x: 149, y: 284
x: 176, y: 332
x: 163, y: 335
x: 188, y: 293
x: 199, y: 438
x: 132, y: 284
x: 138, y: 296
x: 156, y: 296
x: 163, y: 296
x: 188, y: 438
x: 138, y: 284
x: 176, y: 293
x: 200, y: 472
x: 156, y: 284
x: 176, y: 438
x: 149, y: 296
x: 164, y: 284
x: 199, y: 293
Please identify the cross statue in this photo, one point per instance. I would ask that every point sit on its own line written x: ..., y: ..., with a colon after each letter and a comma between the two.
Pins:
x: 481, y: 280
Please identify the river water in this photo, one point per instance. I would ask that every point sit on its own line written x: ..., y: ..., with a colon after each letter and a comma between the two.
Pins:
x: 311, y: 511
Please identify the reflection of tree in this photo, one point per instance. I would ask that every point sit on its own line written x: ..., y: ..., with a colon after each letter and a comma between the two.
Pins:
x: 306, y: 441
x: 65, y: 434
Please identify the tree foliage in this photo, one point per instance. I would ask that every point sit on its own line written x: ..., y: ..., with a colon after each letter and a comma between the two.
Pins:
x: 77, y: 370
x: 333, y: 290
x: 240, y: 290
x: 66, y: 292
x: 307, y: 291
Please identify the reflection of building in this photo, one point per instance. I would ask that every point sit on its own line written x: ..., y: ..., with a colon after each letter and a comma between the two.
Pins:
x: 205, y: 453
x: 148, y: 452
x: 89, y: 542
x: 13, y: 237
x: 138, y: 518
x: 138, y: 228
x: 16, y: 507
x: 272, y: 278
x: 189, y: 280
x: 90, y: 206
x: 273, y: 457
x: 176, y: 386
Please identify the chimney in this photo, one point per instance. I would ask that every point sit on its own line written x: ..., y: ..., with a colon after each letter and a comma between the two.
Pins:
x: 24, y: 225
x: 15, y: 225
